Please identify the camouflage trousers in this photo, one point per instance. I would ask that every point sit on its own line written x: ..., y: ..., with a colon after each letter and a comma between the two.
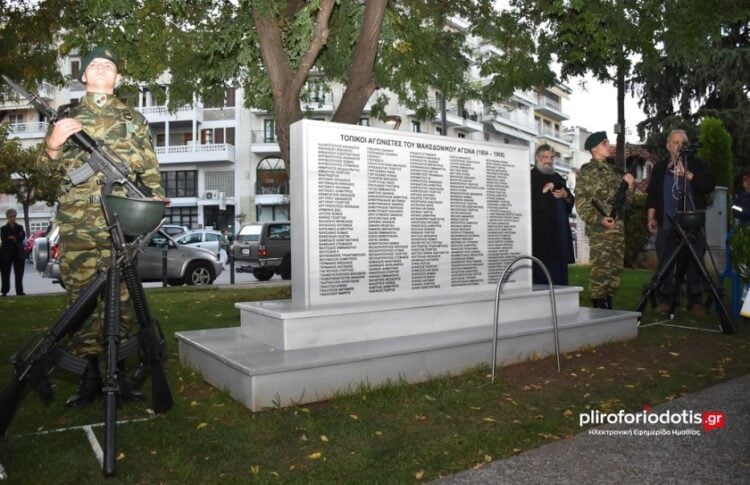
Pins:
x: 77, y: 270
x: 607, y: 254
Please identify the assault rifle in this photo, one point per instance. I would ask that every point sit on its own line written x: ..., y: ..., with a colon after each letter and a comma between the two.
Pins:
x: 101, y: 159
x: 618, y: 203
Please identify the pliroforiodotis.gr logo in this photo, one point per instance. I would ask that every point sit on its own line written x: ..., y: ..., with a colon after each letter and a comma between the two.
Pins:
x: 650, y: 423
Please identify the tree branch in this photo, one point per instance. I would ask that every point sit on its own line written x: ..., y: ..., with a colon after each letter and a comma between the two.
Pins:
x: 360, y: 83
x: 319, y: 39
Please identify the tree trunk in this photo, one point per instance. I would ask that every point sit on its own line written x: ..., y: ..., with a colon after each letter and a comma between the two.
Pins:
x: 360, y: 83
x: 620, y: 155
x: 286, y: 84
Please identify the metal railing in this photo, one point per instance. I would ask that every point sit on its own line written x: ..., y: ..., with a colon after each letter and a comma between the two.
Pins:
x: 553, y: 307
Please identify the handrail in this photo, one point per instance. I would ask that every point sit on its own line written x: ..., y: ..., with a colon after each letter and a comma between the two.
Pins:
x: 552, y: 306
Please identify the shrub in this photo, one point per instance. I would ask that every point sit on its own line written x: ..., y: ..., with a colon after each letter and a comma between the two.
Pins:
x: 636, y: 231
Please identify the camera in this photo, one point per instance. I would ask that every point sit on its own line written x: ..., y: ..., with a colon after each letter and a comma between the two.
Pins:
x: 691, y: 148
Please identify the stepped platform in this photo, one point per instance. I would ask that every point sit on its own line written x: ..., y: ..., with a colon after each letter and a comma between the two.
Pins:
x: 283, y: 355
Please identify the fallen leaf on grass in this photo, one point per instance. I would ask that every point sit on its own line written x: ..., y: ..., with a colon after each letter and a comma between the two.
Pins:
x: 517, y: 450
x: 121, y: 456
x: 490, y: 420
x: 420, y: 417
x: 324, y: 438
x: 487, y: 458
x: 354, y: 417
x: 193, y: 403
x: 379, y: 433
x: 255, y: 469
x: 201, y: 426
x: 674, y: 354
x: 568, y: 413
x: 419, y: 475
x: 315, y: 456
x: 475, y: 408
x: 629, y: 386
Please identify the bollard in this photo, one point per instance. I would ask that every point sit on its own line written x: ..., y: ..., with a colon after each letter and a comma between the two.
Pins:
x: 164, y: 266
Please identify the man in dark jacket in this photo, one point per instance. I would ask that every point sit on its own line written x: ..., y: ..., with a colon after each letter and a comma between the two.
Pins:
x: 12, y: 253
x: 551, y: 203
x: 666, y: 197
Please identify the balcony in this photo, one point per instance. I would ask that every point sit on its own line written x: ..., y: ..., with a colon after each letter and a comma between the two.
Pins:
x: 264, y: 143
x: 550, y: 107
x: 517, y: 120
x: 27, y: 131
x: 161, y: 114
x: 318, y: 105
x: 208, y: 153
x: 552, y: 134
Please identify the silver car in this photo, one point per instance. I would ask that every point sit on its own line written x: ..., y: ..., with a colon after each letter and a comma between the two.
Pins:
x: 185, y: 264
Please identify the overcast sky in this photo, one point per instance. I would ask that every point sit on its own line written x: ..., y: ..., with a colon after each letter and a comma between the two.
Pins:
x: 595, y: 108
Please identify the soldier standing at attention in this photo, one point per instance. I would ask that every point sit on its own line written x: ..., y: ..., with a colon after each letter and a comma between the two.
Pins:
x: 600, y: 180
x: 85, y: 241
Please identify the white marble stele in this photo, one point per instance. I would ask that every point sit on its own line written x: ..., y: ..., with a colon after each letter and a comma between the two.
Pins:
x: 398, y: 240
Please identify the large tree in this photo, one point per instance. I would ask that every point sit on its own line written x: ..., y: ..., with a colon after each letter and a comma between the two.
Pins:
x: 702, y: 70
x: 600, y: 37
x: 272, y: 48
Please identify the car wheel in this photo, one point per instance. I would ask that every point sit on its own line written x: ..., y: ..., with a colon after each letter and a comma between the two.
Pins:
x: 262, y: 274
x: 286, y: 268
x: 199, y: 274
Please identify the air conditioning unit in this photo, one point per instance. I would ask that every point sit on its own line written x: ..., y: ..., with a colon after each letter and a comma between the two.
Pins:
x: 211, y: 195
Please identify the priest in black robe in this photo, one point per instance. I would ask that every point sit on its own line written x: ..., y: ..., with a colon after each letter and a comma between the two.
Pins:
x: 551, y: 204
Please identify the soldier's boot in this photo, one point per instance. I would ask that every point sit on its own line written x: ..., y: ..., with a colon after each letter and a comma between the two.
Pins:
x: 609, y: 303
x: 90, y: 385
x: 127, y: 394
x: 598, y: 302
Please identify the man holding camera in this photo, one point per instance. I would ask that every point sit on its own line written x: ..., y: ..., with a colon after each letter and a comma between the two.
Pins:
x: 551, y: 203
x: 679, y: 183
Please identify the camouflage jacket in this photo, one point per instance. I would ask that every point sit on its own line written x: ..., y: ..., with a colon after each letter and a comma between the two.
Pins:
x: 598, y: 180
x: 126, y: 133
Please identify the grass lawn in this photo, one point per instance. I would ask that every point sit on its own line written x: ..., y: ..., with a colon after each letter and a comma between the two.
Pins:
x: 394, y: 434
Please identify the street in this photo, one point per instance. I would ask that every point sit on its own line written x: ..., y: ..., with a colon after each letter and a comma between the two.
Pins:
x: 34, y: 284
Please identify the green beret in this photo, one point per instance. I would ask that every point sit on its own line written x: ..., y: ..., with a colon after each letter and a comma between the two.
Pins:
x: 101, y: 52
x: 594, y: 139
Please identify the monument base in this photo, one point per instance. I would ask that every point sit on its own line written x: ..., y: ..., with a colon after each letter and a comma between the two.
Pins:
x: 261, y: 375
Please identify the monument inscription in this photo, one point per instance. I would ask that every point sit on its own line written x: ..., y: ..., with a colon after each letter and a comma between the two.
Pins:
x: 383, y: 214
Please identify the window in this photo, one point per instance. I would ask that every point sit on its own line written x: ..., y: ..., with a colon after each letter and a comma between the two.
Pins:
x: 182, y: 216
x: 279, y: 232
x: 364, y: 122
x: 180, y: 184
x: 272, y: 176
x: 461, y: 135
x: 230, y: 98
x: 16, y: 119
x: 439, y: 130
x: 269, y: 131
x: 75, y: 69
x: 416, y: 127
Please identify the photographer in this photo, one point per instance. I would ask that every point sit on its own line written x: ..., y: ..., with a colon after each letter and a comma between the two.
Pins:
x: 551, y: 203
x: 680, y: 182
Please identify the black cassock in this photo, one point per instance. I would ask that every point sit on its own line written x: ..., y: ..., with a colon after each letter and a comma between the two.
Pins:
x: 551, y: 239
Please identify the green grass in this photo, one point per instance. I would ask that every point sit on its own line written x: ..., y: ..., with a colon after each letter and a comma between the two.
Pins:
x: 394, y: 434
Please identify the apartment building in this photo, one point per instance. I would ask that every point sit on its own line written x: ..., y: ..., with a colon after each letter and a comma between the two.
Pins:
x: 221, y: 165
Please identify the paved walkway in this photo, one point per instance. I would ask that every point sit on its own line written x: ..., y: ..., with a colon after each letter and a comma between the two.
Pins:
x: 710, y: 457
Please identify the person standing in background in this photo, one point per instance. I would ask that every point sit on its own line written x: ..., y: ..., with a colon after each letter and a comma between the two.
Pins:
x: 12, y: 253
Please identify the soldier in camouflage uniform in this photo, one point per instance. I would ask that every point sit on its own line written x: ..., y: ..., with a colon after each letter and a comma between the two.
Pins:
x: 85, y: 241
x: 599, y: 180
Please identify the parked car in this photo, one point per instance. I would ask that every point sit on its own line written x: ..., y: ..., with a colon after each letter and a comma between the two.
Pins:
x: 185, y: 264
x: 206, y: 239
x: 173, y: 229
x: 29, y: 244
x: 266, y: 248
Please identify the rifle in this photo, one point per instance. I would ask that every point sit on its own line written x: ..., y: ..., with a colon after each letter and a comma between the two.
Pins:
x: 35, y: 364
x: 618, y: 203
x: 101, y: 159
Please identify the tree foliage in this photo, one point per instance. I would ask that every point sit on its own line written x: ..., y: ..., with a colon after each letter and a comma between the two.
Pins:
x: 271, y: 48
x: 716, y: 150
x: 20, y: 177
x: 701, y: 70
